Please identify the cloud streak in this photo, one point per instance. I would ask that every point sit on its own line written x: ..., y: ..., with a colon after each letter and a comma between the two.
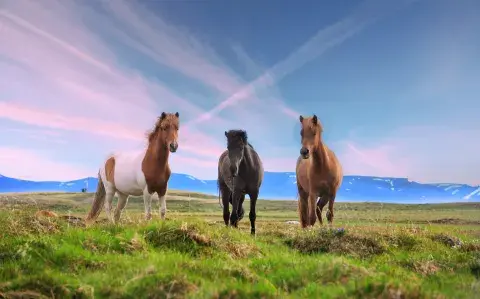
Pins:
x: 366, y: 14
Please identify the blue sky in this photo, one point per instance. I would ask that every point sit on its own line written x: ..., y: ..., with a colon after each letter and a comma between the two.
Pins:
x: 395, y: 84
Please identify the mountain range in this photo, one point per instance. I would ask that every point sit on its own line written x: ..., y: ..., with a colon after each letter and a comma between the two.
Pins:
x: 282, y: 185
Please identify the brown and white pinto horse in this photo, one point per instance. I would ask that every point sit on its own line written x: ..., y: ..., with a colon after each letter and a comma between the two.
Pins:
x: 139, y: 173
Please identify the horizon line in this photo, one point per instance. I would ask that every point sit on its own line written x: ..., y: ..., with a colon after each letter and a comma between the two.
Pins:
x: 186, y: 174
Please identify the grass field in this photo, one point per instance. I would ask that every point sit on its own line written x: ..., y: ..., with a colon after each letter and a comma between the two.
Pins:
x: 383, y: 251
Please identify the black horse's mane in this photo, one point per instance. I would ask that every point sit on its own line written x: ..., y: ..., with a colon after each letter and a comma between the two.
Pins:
x: 240, y: 133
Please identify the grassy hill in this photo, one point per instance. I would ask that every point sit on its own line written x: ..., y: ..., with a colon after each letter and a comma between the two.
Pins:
x: 381, y: 251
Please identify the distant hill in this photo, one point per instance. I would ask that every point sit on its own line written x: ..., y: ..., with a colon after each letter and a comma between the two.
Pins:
x: 282, y: 185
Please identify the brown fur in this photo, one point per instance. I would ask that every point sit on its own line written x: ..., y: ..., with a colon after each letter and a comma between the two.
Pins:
x: 155, y: 165
x: 110, y: 170
x: 45, y: 213
x: 318, y: 176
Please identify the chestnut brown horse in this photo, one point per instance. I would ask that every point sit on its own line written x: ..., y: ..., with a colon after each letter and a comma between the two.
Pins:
x: 319, y: 174
x: 138, y: 173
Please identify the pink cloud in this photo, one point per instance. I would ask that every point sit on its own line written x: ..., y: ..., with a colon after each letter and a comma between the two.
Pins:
x: 32, y: 165
x: 423, y: 153
x: 71, y: 88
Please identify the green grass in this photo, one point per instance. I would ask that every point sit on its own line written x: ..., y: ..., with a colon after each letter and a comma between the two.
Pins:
x: 384, y: 251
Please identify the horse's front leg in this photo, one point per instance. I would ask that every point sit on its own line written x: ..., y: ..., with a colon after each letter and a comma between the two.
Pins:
x: 147, y: 201
x: 110, y: 193
x: 235, y: 208
x: 226, y: 194
x: 162, y: 194
x: 312, y: 205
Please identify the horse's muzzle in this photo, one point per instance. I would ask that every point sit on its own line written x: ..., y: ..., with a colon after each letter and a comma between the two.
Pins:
x: 173, y: 147
x: 304, y: 152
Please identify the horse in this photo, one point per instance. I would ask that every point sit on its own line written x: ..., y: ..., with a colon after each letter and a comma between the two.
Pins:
x: 138, y: 173
x: 240, y: 172
x: 319, y: 174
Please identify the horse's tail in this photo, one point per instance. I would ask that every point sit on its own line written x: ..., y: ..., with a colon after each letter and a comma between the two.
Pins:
x: 98, y: 201
x: 219, y: 191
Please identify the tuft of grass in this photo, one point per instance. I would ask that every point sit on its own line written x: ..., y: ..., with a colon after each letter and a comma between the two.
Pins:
x: 333, y: 241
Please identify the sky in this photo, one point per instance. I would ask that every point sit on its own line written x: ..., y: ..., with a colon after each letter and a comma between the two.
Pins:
x: 394, y: 83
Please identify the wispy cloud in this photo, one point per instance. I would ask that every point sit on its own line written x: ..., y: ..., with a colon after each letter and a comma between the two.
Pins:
x: 366, y: 14
x: 33, y: 165
x: 76, y: 83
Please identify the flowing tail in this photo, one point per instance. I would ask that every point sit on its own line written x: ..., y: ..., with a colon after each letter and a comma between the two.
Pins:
x: 98, y: 201
x: 219, y: 195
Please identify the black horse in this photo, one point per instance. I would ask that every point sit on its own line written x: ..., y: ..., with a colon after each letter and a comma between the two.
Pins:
x: 240, y: 172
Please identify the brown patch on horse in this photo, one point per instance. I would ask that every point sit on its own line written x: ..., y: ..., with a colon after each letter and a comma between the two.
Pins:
x: 319, y: 174
x: 155, y: 163
x: 110, y: 170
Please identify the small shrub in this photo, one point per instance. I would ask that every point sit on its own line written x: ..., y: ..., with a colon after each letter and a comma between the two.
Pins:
x: 447, y: 240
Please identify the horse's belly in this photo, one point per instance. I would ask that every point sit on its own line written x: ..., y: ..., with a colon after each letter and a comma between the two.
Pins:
x: 129, y: 178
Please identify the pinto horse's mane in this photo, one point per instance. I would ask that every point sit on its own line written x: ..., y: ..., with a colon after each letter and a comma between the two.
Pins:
x: 163, y: 121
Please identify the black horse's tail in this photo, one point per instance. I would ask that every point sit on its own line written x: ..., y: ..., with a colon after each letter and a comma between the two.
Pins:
x: 219, y: 190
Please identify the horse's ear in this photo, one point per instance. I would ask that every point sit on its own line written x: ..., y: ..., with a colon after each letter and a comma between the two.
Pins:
x: 314, y: 119
x: 177, y: 114
x: 301, y: 119
x: 226, y: 134
x: 163, y: 115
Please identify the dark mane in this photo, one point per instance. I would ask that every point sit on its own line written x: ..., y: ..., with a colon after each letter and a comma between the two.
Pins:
x: 237, y: 134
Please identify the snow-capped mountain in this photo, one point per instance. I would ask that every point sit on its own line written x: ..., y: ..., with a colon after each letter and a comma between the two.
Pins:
x: 282, y: 185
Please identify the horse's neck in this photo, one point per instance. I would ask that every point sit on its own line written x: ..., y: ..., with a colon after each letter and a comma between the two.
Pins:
x: 320, y: 156
x: 248, y: 156
x: 158, y: 154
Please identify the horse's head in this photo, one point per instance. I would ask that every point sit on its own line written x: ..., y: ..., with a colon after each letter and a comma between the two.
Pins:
x: 311, y: 133
x: 236, y: 142
x: 166, y: 131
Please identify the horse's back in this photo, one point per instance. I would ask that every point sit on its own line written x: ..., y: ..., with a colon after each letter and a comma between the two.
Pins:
x: 129, y: 178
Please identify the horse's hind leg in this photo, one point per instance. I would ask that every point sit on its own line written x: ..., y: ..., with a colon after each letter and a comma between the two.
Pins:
x: 253, y: 214
x: 320, y: 205
x: 331, y: 201
x: 109, y: 193
x: 122, y: 202
x: 303, y: 206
